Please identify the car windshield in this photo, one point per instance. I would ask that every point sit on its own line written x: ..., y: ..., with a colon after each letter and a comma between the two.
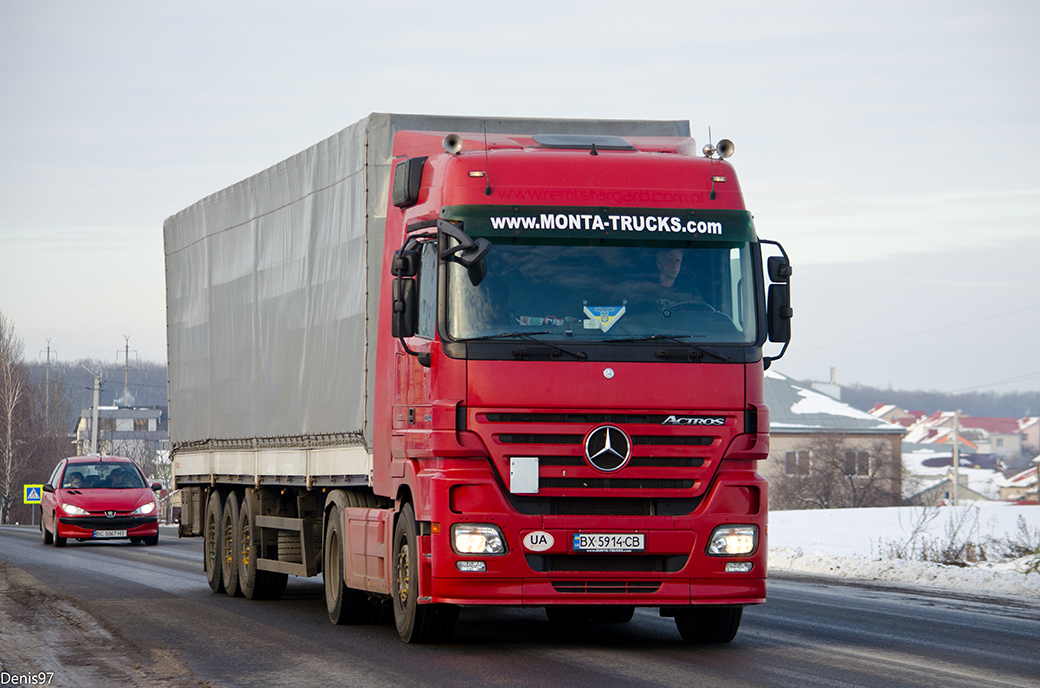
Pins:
x: 603, y: 292
x: 101, y: 475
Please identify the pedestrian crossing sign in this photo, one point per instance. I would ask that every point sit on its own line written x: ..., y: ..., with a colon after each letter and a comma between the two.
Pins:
x: 33, y: 494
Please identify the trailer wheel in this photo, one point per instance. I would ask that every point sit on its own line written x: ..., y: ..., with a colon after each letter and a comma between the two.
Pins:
x: 211, y: 542
x: 709, y: 624
x: 416, y: 623
x: 254, y: 583
x: 228, y: 549
x: 345, y: 605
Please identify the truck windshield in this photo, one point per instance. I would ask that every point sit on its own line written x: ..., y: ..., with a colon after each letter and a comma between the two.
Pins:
x: 603, y: 290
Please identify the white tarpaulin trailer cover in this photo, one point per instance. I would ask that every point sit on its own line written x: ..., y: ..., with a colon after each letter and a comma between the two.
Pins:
x: 273, y: 288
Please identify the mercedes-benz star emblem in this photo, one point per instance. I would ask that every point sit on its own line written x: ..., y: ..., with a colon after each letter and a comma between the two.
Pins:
x: 607, y: 448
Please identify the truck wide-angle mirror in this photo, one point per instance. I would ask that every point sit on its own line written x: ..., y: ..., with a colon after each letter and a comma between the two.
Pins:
x: 405, y: 263
x: 779, y: 269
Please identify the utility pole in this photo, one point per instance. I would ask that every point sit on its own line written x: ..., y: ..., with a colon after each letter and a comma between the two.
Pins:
x: 956, y: 453
x: 126, y: 370
x: 94, y: 415
x: 47, y: 394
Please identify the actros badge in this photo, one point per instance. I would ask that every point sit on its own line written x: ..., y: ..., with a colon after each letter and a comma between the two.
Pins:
x: 694, y: 420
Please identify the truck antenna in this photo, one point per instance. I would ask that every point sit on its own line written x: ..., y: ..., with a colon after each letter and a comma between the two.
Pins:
x: 711, y: 165
x: 487, y: 175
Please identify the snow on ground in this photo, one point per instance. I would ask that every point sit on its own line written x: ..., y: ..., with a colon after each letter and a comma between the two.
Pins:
x: 858, y: 543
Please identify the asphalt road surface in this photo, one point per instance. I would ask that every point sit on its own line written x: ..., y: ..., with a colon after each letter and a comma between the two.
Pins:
x: 112, y: 614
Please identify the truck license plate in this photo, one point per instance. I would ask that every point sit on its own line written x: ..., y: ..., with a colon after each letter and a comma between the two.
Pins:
x: 609, y: 542
x: 109, y: 533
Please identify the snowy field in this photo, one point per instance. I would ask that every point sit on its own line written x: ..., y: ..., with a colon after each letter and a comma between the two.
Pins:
x: 859, y: 543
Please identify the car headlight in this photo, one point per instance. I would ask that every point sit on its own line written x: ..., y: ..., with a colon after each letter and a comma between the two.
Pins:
x: 143, y: 509
x: 477, y: 538
x: 733, y: 541
x: 74, y: 510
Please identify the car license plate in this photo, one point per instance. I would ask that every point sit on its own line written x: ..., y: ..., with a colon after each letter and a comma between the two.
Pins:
x: 609, y: 542
x: 109, y: 533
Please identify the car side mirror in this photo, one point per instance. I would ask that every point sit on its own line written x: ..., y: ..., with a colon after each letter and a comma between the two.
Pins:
x: 156, y: 487
x: 48, y: 488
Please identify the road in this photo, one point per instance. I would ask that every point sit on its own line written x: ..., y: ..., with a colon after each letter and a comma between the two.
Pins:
x: 117, y: 614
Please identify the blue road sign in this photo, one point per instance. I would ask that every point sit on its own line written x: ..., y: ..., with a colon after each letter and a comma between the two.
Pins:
x: 33, y: 494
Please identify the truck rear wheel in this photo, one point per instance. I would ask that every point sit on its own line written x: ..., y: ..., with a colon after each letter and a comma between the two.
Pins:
x: 228, y: 549
x: 709, y: 624
x: 416, y: 623
x: 345, y: 605
x: 255, y: 584
x: 211, y: 542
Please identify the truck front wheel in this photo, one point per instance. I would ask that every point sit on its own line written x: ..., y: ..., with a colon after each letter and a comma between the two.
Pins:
x: 416, y: 623
x: 708, y: 624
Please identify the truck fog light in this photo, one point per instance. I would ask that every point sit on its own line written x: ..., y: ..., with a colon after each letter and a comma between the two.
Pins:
x: 738, y: 566
x: 477, y: 538
x: 729, y: 541
x: 471, y: 566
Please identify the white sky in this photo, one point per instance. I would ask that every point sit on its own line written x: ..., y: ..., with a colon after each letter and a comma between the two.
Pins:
x: 893, y: 147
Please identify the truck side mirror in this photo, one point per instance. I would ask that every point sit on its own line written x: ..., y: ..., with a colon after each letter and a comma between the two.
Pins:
x: 405, y: 316
x: 405, y: 263
x: 779, y: 269
x: 779, y: 312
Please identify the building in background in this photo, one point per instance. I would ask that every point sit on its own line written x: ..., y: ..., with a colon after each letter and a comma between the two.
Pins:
x: 827, y: 454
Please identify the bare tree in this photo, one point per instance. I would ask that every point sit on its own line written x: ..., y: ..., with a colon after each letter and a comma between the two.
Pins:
x: 12, y: 389
x: 840, y: 472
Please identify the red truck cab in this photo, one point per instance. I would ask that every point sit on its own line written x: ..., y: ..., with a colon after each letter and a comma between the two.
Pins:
x: 570, y: 400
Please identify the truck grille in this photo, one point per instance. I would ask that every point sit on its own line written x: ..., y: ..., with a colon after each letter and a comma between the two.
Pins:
x: 667, y: 462
x: 607, y: 587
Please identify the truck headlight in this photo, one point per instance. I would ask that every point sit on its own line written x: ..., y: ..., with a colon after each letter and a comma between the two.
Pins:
x: 74, y: 510
x: 477, y: 538
x: 733, y: 541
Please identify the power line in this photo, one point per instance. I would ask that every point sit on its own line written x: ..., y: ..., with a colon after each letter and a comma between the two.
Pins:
x: 1020, y: 378
x: 920, y: 332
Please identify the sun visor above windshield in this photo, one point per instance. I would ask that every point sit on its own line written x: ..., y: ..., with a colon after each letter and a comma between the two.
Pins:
x: 547, y: 223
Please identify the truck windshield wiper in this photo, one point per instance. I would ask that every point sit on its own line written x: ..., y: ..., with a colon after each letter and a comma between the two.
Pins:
x: 670, y: 354
x: 529, y: 336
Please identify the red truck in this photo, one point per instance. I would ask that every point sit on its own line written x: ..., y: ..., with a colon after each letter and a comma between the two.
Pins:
x: 449, y: 362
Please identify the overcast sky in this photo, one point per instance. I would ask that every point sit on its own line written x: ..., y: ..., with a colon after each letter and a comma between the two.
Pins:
x: 892, y: 147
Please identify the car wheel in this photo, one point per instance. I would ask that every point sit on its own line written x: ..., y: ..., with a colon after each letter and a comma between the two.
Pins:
x: 135, y: 541
x: 48, y: 537
x: 151, y: 540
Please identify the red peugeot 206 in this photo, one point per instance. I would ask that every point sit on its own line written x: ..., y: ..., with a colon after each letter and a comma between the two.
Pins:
x: 99, y: 497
